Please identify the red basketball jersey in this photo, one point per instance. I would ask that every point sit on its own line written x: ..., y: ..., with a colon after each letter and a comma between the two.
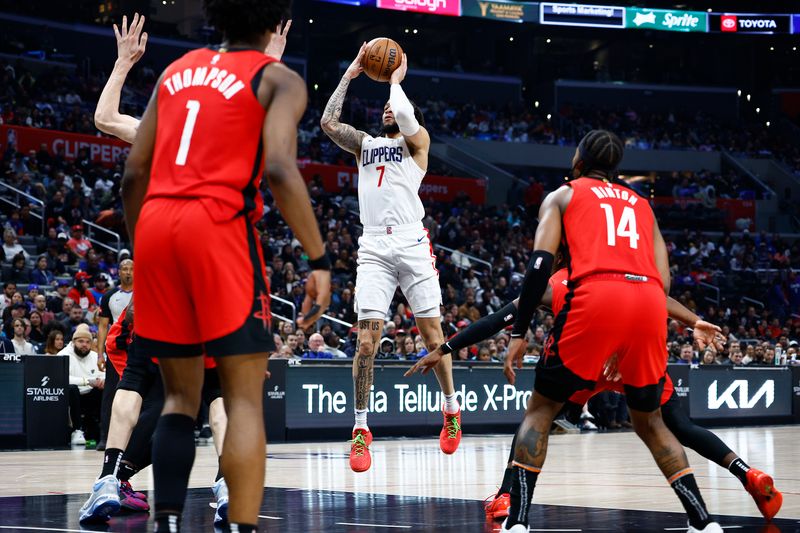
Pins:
x: 209, y: 134
x: 558, y: 286
x: 608, y: 228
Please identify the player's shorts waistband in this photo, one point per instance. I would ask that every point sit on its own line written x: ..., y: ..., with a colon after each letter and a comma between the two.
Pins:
x: 391, y: 230
x: 619, y: 276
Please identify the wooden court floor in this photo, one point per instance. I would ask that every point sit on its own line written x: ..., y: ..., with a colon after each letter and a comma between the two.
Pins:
x: 591, y: 482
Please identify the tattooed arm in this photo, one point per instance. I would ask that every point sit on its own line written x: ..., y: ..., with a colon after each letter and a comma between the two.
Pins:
x: 346, y: 136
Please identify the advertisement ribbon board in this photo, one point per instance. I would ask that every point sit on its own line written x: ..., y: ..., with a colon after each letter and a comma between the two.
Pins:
x: 666, y: 20
x: 556, y: 14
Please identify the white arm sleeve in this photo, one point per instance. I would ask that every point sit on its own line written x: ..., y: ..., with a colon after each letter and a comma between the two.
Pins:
x: 403, y: 111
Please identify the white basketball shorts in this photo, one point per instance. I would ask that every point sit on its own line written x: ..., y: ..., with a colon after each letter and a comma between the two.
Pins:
x: 388, y: 256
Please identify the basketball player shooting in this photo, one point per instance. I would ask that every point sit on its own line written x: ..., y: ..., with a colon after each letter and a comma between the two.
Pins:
x: 395, y: 247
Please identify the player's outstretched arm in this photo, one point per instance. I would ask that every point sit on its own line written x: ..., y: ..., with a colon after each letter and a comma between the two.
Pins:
x: 347, y: 137
x: 286, y: 107
x: 704, y: 333
x: 416, y: 136
x: 476, y: 332
x: 277, y: 43
x: 661, y: 256
x: 137, y: 167
x: 545, y: 246
x: 131, y: 44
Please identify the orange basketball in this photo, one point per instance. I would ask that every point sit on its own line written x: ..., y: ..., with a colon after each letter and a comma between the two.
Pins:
x: 382, y: 57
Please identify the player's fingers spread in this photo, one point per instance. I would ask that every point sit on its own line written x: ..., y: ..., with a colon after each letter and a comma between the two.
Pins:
x: 288, y: 25
x: 124, y: 25
x: 140, y: 25
x: 143, y: 41
x: 116, y: 32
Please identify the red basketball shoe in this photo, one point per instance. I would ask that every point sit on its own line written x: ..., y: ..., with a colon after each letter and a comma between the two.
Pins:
x: 762, y: 489
x: 360, y: 458
x: 450, y: 436
x: 496, y: 506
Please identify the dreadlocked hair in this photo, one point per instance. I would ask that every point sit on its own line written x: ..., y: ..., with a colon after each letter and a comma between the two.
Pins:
x: 246, y: 20
x: 601, y: 150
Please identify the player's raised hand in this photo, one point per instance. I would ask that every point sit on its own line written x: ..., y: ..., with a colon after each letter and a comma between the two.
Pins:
x: 356, y: 67
x: 131, y: 41
x: 516, y: 349
x: 277, y: 44
x: 707, y: 334
x: 399, y: 73
x: 426, y: 364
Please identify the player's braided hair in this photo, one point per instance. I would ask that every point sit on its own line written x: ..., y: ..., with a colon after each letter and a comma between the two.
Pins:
x: 246, y: 20
x: 601, y: 151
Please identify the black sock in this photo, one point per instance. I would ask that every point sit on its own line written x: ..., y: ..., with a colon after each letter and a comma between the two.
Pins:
x: 505, y: 486
x: 241, y: 528
x: 173, y: 456
x: 522, y: 484
x: 739, y: 469
x: 167, y: 522
x: 219, y: 469
x: 689, y: 495
x: 110, y: 461
x: 126, y: 471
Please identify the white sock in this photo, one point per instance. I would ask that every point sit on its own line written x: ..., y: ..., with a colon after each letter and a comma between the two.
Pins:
x: 450, y: 404
x: 361, y: 419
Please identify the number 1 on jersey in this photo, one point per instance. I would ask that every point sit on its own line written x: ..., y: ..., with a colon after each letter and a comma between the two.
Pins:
x: 380, y: 169
x: 626, y: 227
x: 188, y: 128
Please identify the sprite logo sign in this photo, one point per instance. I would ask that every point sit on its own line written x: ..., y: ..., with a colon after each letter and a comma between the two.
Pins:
x: 667, y: 20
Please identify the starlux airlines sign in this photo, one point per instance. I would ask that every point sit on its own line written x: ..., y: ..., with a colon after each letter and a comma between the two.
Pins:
x: 666, y: 20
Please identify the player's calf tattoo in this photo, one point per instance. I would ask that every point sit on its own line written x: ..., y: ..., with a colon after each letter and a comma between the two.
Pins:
x: 364, y: 375
x: 531, y: 448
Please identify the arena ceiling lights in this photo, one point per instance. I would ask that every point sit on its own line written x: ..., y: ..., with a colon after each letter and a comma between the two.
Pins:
x: 596, y: 16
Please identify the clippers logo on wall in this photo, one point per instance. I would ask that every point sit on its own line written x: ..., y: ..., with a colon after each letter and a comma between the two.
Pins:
x: 451, y: 8
x: 728, y: 393
x: 747, y: 23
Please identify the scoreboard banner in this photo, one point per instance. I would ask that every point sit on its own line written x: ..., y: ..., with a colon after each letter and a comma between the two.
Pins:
x: 749, y: 23
x: 666, y: 20
x: 450, y: 8
x: 557, y: 14
x: 595, y: 16
x: 500, y: 10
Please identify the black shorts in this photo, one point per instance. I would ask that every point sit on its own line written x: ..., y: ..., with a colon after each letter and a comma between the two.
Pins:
x: 140, y: 374
x: 212, y: 389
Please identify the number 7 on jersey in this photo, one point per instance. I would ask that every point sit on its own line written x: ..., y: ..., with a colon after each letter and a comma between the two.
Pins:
x: 626, y: 227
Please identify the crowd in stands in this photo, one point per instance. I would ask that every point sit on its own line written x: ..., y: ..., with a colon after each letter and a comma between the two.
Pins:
x: 42, y: 272
x: 62, y: 276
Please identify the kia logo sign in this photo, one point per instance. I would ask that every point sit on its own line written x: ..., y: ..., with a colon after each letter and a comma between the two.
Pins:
x: 743, y: 400
x: 728, y: 23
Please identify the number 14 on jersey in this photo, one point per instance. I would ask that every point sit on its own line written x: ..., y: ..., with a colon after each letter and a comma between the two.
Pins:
x: 625, y: 228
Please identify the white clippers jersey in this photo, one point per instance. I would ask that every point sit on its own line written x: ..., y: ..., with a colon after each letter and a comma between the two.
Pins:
x: 388, y: 183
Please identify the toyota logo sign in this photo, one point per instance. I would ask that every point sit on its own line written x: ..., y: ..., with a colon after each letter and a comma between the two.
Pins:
x: 728, y: 23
